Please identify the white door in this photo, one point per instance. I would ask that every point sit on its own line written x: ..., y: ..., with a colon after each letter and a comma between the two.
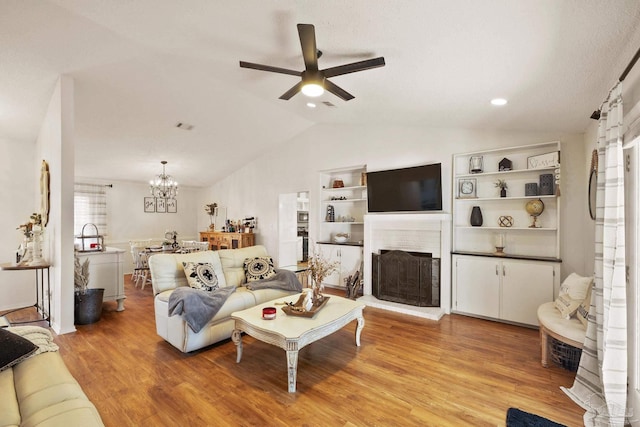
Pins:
x: 632, y: 209
x: 477, y: 286
x: 287, y: 229
x: 525, y: 286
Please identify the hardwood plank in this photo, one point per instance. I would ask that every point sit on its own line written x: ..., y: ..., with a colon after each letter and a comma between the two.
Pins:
x: 409, y: 371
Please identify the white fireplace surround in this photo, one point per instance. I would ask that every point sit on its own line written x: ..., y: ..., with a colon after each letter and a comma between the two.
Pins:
x: 409, y: 232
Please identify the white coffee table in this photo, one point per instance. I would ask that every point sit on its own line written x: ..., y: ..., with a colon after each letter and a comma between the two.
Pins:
x: 294, y: 332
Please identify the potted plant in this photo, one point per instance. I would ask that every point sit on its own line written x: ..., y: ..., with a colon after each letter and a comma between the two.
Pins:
x: 210, y: 209
x: 502, y: 185
x: 88, y: 302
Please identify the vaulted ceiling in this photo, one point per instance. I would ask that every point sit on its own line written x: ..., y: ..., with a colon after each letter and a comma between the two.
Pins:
x: 140, y: 67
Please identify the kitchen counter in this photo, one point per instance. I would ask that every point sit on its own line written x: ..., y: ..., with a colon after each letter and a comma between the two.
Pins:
x: 106, y: 270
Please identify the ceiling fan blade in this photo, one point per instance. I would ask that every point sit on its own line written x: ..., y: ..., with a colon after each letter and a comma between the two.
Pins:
x: 261, y: 67
x: 354, y: 67
x: 289, y: 94
x: 307, y: 35
x: 337, y: 91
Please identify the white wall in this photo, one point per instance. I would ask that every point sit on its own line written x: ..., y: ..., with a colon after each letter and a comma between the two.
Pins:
x: 254, y: 189
x: 18, y: 183
x: 55, y: 144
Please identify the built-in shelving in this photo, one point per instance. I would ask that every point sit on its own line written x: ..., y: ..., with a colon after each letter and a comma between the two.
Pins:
x: 520, y: 239
x: 345, y: 191
x: 507, y: 286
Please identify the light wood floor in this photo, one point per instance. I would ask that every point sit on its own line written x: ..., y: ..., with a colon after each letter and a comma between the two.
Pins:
x: 408, y: 372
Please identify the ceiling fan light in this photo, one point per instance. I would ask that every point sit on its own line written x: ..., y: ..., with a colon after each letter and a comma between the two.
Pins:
x: 312, y: 89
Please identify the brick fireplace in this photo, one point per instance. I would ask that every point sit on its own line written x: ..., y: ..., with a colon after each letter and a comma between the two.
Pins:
x: 419, y: 233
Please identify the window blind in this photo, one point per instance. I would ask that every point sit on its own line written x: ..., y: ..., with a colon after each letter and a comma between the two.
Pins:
x: 90, y: 206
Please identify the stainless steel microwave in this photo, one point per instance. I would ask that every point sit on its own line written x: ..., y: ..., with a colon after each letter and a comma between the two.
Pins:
x: 303, y: 216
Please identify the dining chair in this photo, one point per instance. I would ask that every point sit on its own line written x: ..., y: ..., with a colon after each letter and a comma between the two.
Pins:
x: 202, y: 246
x: 186, y: 244
x: 141, y: 271
x: 138, y: 269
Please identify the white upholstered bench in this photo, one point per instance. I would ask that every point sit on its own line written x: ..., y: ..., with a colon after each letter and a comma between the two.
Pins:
x: 569, y: 331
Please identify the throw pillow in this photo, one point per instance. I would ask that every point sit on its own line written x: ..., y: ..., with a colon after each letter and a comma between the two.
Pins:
x: 201, y: 275
x: 259, y: 268
x: 572, y: 292
x: 567, y: 305
x: 576, y: 286
x: 583, y: 310
x: 14, y: 349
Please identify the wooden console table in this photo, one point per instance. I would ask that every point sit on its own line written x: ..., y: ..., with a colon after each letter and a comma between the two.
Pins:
x: 40, y: 292
x: 223, y: 240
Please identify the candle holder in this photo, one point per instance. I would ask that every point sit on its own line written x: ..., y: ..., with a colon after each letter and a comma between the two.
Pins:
x: 500, y: 244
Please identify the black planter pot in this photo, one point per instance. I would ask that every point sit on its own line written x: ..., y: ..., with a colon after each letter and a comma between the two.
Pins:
x: 503, y: 192
x: 88, y: 307
x: 476, y: 216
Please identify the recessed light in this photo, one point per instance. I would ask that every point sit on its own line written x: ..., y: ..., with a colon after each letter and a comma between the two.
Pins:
x: 311, y: 105
x: 498, y: 101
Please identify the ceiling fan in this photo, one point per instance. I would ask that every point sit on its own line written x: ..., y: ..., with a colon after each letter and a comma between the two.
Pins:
x: 313, y: 81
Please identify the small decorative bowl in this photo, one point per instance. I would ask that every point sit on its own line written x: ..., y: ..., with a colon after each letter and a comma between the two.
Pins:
x: 269, y: 313
x: 340, y: 239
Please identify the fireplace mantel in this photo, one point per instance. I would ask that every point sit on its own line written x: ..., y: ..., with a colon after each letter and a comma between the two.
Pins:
x: 410, y: 232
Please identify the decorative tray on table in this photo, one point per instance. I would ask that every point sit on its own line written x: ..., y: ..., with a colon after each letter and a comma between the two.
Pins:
x: 296, y: 309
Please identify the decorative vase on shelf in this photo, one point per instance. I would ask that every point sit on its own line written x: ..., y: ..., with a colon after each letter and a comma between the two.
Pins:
x: 476, y: 216
x: 503, y: 192
x: 36, y: 249
x: 25, y: 251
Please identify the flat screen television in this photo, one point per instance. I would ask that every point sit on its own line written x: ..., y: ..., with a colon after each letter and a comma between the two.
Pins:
x: 413, y: 189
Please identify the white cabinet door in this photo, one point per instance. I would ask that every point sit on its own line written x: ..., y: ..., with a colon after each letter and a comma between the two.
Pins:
x: 332, y: 254
x: 477, y: 286
x: 525, y: 286
x: 350, y: 261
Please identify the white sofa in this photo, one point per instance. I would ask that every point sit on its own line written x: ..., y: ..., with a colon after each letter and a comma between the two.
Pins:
x: 167, y: 274
x: 40, y: 391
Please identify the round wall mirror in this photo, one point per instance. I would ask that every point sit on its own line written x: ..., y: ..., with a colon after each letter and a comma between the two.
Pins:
x: 593, y: 184
x: 593, y: 178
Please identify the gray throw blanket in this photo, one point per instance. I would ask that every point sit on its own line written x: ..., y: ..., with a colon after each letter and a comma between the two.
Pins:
x: 284, y: 279
x: 197, y: 307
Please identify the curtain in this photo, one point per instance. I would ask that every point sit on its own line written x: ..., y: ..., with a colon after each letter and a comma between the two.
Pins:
x: 90, y: 207
x: 600, y: 385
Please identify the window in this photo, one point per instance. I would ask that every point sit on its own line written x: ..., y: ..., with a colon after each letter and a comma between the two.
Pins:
x: 90, y: 207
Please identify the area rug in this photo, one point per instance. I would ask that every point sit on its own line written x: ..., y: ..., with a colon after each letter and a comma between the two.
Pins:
x: 518, y: 418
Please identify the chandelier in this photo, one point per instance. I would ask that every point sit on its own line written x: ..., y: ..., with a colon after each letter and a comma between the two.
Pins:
x: 163, y: 185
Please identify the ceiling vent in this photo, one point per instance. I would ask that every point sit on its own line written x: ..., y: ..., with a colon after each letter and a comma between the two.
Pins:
x: 328, y: 104
x: 185, y: 126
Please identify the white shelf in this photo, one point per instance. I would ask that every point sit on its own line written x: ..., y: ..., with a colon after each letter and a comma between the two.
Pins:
x: 469, y: 227
x: 502, y: 173
x: 343, y: 201
x: 351, y: 188
x: 503, y: 199
x: 344, y: 222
